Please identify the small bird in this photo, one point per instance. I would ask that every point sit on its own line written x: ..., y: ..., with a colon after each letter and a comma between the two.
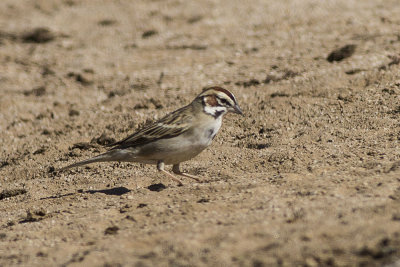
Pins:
x: 175, y: 138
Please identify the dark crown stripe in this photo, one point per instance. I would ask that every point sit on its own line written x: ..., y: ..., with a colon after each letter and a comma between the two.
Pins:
x: 220, y: 89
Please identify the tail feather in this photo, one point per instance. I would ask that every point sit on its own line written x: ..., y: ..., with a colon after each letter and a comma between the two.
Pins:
x: 100, y: 158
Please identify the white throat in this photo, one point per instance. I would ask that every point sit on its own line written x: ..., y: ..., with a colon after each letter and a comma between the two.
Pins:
x: 215, y: 111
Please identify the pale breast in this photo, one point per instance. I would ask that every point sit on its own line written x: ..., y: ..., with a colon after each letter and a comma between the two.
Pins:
x: 209, y: 131
x: 183, y: 147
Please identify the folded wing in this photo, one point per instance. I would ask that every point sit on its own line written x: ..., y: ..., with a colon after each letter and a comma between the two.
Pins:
x: 169, y: 126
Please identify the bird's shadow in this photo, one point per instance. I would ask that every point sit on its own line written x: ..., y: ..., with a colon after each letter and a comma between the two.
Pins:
x: 116, y: 191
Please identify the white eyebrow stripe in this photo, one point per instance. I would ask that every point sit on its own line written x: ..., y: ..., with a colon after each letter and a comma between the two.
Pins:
x: 219, y: 101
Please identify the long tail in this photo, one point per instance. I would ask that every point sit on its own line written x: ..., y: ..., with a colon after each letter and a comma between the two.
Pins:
x: 108, y: 156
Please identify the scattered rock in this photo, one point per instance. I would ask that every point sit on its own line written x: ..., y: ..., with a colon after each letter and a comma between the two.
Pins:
x: 82, y: 146
x: 286, y: 74
x: 141, y: 106
x: 157, y: 104
x: 305, y: 237
x: 345, y: 98
x: 203, y: 200
x: 47, y: 71
x: 395, y: 166
x: 258, y: 263
x: 120, y: 92
x: 3, y: 236
x: 6, y: 193
x: 388, y: 91
x: 157, y: 187
x: 132, y: 45
x: 103, y: 140
x: 51, y: 169
x: 139, y: 86
x: 149, y: 255
x: 141, y: 205
x: 311, y: 262
x: 107, y: 22
x: 264, y: 130
x: 8, y: 35
x: 125, y: 208
x: 46, y: 132
x: 77, y: 257
x: 40, y: 151
x: 3, y: 164
x: 40, y: 116
x: 296, y: 215
x: 251, y: 50
x: 69, y: 2
x: 278, y: 94
x: 354, y: 71
x: 396, y: 110
x: 149, y: 33
x: 41, y: 254
x: 38, y: 35
x: 130, y: 218
x: 381, y: 250
x: 251, y: 82
x: 85, y: 78
x: 73, y: 112
x: 257, y: 146
x: 395, y: 61
x: 396, y: 216
x: 35, y: 216
x: 38, y: 91
x: 192, y: 47
x: 194, y: 19
x: 342, y: 53
x: 270, y: 78
x: 112, y: 230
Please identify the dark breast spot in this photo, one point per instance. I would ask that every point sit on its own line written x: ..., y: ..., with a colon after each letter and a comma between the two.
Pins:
x: 217, y: 114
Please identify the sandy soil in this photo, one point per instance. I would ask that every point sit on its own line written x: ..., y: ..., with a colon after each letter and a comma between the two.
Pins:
x: 310, y: 176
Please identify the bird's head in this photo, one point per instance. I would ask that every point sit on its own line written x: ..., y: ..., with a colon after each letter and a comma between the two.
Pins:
x: 218, y: 101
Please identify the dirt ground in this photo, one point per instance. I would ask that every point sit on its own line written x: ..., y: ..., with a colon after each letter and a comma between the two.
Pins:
x: 310, y: 176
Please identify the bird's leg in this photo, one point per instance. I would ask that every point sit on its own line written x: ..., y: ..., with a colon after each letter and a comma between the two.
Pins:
x: 160, y: 167
x: 176, y: 170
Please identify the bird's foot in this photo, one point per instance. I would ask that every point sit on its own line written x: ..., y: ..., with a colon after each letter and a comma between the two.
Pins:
x: 176, y: 170
x: 160, y: 167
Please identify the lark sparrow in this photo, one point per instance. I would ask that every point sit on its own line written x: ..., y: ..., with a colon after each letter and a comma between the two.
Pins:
x: 177, y: 137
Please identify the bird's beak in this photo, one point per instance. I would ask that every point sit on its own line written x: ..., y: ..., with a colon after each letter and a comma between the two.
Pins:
x: 237, y: 110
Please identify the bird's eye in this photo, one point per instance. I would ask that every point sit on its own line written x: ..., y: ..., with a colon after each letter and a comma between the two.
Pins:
x: 225, y: 102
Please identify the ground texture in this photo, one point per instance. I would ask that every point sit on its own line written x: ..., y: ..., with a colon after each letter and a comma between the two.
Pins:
x: 310, y: 176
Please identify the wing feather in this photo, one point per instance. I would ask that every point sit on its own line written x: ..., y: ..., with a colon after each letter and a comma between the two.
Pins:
x: 169, y: 126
